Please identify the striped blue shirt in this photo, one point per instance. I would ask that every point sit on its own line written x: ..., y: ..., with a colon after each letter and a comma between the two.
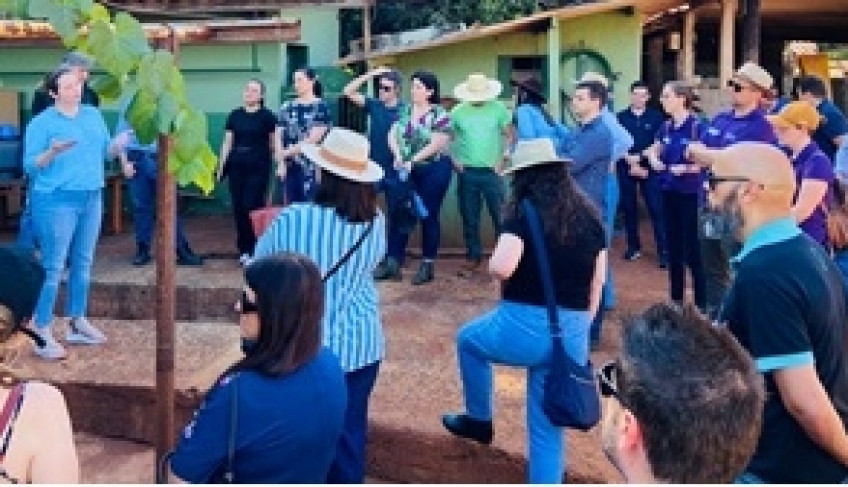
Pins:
x: 352, y: 326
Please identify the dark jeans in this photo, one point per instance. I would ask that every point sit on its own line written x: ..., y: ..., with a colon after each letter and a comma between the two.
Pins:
x: 431, y: 181
x: 349, y: 464
x: 248, y: 187
x: 681, y: 229
x: 652, y: 194
x: 474, y: 186
x: 143, y: 194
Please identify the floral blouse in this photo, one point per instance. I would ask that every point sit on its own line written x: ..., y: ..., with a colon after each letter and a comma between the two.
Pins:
x: 414, y: 135
x: 296, y: 121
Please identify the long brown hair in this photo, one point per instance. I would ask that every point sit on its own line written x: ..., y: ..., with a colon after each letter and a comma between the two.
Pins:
x: 353, y: 201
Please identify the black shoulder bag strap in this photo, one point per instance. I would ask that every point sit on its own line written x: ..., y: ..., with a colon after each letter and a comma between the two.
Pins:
x: 229, y: 473
x: 538, y: 238
x: 349, y: 253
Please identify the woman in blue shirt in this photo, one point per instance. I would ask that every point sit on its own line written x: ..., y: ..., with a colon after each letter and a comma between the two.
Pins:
x: 64, y: 154
x: 681, y: 181
x: 345, y: 233
x: 287, y: 394
x: 532, y: 120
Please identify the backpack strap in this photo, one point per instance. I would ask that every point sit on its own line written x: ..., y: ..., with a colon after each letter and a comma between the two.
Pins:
x: 538, y: 238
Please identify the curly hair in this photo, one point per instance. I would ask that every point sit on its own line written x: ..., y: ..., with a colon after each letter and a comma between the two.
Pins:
x: 564, y: 209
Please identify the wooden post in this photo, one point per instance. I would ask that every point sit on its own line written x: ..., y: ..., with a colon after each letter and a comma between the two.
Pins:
x: 166, y: 215
x: 554, y: 78
x: 366, y: 28
x: 751, y: 31
x: 687, y: 53
x: 727, y: 44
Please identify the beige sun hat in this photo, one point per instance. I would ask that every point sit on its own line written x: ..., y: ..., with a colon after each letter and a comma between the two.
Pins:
x: 533, y: 152
x: 345, y: 154
x: 478, y: 88
x: 756, y: 75
x: 590, y: 76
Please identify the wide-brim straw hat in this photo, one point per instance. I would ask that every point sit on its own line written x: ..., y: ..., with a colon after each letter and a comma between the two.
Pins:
x: 533, y: 152
x: 478, y: 88
x: 345, y: 154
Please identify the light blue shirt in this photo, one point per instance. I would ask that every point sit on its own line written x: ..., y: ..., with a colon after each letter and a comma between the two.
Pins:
x: 81, y: 167
x: 530, y: 123
x: 622, y: 141
x: 352, y: 325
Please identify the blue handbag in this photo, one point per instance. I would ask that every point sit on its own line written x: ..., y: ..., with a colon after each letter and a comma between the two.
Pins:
x: 570, y: 396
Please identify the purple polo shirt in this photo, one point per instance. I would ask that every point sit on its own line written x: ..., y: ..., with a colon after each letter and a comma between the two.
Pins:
x: 674, y: 141
x: 726, y: 129
x: 812, y: 163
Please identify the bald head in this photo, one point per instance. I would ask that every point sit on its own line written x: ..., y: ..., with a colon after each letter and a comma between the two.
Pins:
x: 760, y: 163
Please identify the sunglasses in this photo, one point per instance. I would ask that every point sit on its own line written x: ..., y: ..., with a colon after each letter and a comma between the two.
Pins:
x: 736, y: 86
x: 246, y: 306
x: 713, y: 181
x: 608, y: 380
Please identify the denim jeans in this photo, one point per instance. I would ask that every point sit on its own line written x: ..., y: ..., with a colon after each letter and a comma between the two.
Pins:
x: 26, y: 227
x: 248, y: 190
x: 431, y: 181
x: 476, y: 184
x: 613, y: 194
x: 652, y: 194
x: 681, y: 223
x: 348, y: 466
x: 840, y: 257
x: 142, y: 188
x: 67, y: 225
x: 519, y: 335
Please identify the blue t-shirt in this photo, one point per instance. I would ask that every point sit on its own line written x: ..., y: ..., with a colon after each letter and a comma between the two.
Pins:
x: 643, y: 128
x: 381, y: 119
x: 727, y: 129
x: 287, y: 428
x: 530, y: 123
x: 812, y: 164
x: 673, y: 140
x: 833, y: 125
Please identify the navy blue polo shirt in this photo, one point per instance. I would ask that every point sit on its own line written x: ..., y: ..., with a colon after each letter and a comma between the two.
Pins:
x: 833, y: 125
x: 726, y: 129
x: 642, y: 127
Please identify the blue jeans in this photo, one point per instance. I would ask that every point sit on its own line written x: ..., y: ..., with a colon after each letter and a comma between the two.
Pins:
x: 652, y: 194
x: 143, y: 194
x: 26, y: 227
x: 431, y: 181
x: 67, y: 225
x: 613, y: 194
x: 518, y: 335
x: 348, y: 466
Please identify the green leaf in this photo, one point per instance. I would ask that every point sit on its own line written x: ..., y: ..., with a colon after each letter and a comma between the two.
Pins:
x: 108, y: 87
x: 168, y: 109
x: 190, y: 133
x: 98, y: 13
x: 117, y: 50
x: 131, y: 34
x: 141, y: 114
x: 14, y: 8
x: 65, y: 21
x: 155, y: 71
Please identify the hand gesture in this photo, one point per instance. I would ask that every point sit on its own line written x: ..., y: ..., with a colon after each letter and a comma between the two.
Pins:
x: 127, y: 168
x: 59, y: 146
x: 281, y: 171
x: 638, y: 172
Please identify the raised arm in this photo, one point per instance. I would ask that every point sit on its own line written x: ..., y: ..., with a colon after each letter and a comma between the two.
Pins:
x: 351, y: 90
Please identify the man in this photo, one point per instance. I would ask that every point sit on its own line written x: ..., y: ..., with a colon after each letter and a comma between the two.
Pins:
x: 480, y: 126
x: 832, y: 132
x: 682, y: 403
x: 591, y: 155
x: 139, y: 164
x: 746, y: 121
x: 787, y: 308
x: 642, y: 122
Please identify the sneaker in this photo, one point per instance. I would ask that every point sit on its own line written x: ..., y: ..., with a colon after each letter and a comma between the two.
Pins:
x: 389, y: 269
x: 244, y: 260
x: 425, y: 274
x: 81, y: 332
x: 463, y: 426
x: 632, y: 254
x: 52, y: 350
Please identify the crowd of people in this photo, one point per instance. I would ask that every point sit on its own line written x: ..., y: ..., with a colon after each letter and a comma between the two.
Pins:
x: 746, y: 382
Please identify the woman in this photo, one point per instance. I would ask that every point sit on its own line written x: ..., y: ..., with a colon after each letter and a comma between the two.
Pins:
x: 681, y: 181
x: 246, y: 151
x: 517, y: 332
x: 287, y: 392
x: 532, y: 120
x: 64, y: 153
x: 38, y: 444
x: 302, y: 120
x: 344, y: 232
x: 794, y: 126
x: 417, y: 142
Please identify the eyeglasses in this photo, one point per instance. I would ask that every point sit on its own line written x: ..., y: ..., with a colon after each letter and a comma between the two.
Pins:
x: 386, y: 88
x: 608, y: 380
x: 736, y: 86
x: 246, y: 306
x: 713, y: 181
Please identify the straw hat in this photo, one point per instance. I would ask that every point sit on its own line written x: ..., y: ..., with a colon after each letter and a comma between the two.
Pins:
x: 345, y: 154
x: 755, y: 75
x: 590, y: 76
x: 478, y: 88
x: 533, y: 152
x: 532, y: 85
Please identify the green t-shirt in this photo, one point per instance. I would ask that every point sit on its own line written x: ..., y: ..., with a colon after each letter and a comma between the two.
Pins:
x: 479, y: 133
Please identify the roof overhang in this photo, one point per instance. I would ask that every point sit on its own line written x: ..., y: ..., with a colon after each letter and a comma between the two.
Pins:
x: 190, y: 7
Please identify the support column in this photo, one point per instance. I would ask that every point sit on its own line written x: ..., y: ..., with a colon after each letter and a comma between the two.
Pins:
x: 654, y: 69
x: 687, y: 51
x: 366, y: 29
x: 727, y: 44
x: 751, y: 31
x: 554, y: 79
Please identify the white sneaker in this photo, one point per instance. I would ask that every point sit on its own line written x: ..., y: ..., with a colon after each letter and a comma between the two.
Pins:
x: 52, y: 350
x: 245, y: 260
x: 80, y: 331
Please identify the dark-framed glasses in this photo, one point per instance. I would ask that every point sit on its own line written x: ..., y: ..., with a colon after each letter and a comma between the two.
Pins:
x: 713, y: 180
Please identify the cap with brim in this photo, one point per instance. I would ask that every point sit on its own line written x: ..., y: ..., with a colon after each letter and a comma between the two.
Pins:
x: 20, y: 286
x: 345, y: 154
x: 533, y: 152
x: 797, y: 114
x: 478, y: 88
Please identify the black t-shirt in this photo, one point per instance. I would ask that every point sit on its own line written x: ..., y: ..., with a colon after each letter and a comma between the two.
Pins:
x: 787, y: 308
x: 251, y: 137
x: 572, y: 265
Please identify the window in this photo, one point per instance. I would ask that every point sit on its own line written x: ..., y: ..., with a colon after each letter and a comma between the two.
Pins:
x: 519, y: 67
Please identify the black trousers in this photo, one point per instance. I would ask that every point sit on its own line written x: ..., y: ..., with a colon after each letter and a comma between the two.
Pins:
x: 681, y: 229
x: 248, y: 190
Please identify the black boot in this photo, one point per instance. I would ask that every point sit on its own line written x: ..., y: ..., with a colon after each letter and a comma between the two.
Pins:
x: 389, y: 269
x: 424, y: 275
x: 474, y: 429
x: 142, y: 255
x: 186, y: 257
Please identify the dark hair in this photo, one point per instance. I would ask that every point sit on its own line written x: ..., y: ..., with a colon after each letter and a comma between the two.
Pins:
x: 430, y: 82
x: 681, y: 89
x: 355, y: 202
x: 596, y: 89
x: 290, y: 300
x: 812, y: 85
x: 529, y: 97
x: 317, y: 87
x: 261, y: 89
x: 695, y: 392
x: 639, y: 84
x: 564, y: 209
x: 51, y: 81
x: 393, y: 76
